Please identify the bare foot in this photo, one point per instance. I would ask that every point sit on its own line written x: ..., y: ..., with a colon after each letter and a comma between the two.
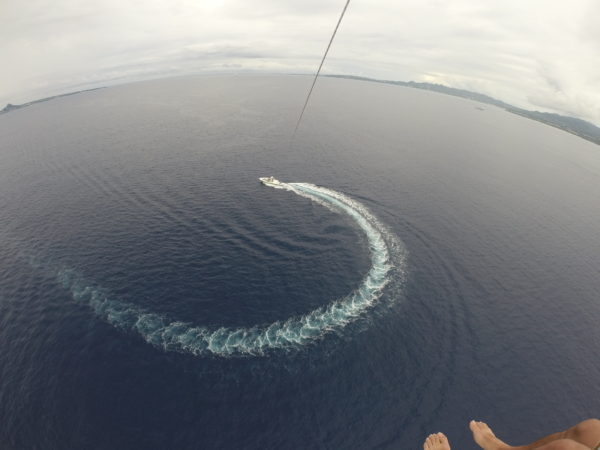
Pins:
x: 436, y: 441
x: 485, y: 438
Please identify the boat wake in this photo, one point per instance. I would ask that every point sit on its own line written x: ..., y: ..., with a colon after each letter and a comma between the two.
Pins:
x: 387, y: 259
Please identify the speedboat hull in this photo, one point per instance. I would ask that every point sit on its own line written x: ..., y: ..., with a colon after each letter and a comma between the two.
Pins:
x: 270, y: 181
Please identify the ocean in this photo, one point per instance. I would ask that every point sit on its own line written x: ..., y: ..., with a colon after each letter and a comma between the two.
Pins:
x: 428, y: 260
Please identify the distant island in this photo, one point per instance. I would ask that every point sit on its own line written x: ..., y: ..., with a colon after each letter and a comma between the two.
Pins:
x: 578, y: 127
x: 11, y: 107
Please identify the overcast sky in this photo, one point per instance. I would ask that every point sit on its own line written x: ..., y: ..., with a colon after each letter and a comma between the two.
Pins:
x: 537, y: 54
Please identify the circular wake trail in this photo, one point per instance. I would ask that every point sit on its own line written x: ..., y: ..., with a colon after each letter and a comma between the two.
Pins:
x: 257, y: 340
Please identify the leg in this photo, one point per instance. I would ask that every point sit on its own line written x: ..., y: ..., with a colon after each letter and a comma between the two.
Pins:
x: 563, y: 444
x: 586, y: 434
x: 437, y: 441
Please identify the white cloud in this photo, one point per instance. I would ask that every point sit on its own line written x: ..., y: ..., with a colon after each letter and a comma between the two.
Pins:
x: 534, y: 54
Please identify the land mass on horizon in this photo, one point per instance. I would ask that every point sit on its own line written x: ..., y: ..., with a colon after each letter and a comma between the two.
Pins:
x: 579, y: 127
x: 10, y: 107
x: 573, y: 125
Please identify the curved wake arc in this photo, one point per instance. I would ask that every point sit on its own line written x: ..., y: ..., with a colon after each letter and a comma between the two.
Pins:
x: 292, y: 333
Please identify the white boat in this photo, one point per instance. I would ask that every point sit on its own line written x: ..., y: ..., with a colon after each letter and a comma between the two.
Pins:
x: 270, y: 181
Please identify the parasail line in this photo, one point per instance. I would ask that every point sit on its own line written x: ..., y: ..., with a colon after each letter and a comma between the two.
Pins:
x: 320, y: 66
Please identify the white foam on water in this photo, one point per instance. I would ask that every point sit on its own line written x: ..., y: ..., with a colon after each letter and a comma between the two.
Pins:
x: 292, y: 333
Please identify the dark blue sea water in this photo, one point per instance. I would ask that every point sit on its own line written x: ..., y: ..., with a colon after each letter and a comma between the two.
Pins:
x: 436, y: 263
